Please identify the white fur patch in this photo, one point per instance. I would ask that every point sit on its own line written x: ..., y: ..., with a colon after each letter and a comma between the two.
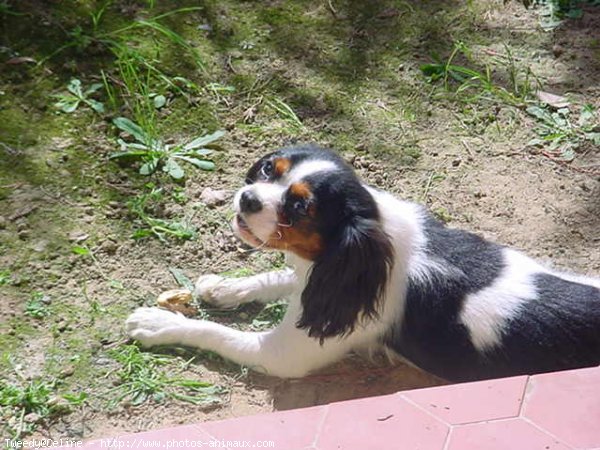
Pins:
x: 486, y: 313
x: 307, y: 168
x: 263, y: 223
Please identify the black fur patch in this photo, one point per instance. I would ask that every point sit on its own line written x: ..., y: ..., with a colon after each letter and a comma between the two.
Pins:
x: 558, y: 330
x: 430, y: 334
x: 347, y: 280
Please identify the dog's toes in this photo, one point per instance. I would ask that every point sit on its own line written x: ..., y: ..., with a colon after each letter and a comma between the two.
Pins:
x: 221, y: 292
x: 153, y: 326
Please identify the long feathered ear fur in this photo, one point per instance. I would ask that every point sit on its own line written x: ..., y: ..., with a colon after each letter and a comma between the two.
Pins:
x: 347, y: 281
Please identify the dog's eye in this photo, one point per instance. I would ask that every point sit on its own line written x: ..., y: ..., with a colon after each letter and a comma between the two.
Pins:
x: 267, y: 169
x: 300, y: 206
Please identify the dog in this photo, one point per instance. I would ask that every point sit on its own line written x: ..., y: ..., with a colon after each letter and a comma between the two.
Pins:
x: 369, y: 271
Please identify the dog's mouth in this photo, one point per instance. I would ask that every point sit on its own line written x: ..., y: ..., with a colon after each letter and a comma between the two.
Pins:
x: 246, y: 233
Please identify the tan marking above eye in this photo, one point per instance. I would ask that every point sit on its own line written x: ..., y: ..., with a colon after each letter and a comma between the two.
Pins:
x: 301, y: 190
x: 281, y: 166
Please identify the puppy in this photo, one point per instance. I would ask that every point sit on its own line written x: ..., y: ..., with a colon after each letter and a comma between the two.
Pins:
x: 369, y: 270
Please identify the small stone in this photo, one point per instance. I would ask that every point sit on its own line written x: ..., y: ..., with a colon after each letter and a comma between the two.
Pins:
x: 213, y: 197
x: 67, y: 372
x: 23, y: 234
x: 557, y: 50
x: 3, y: 222
x: 110, y: 247
x: 40, y: 246
x: 78, y: 236
x: 31, y: 418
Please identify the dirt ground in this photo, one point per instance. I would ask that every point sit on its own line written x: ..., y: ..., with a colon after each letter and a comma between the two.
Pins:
x: 351, y: 74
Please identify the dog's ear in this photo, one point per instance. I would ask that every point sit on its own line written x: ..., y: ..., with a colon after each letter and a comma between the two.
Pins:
x: 347, y: 280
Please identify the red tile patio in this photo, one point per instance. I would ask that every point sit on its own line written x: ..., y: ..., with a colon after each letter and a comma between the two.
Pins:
x: 555, y: 411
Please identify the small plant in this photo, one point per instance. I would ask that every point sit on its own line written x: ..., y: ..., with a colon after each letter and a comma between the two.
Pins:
x: 29, y: 402
x: 285, y: 112
x: 270, y: 316
x: 5, y: 277
x: 140, y: 207
x: 473, y: 84
x: 141, y: 379
x: 560, y: 134
x: 156, y: 155
x: 36, y: 307
x: 70, y: 102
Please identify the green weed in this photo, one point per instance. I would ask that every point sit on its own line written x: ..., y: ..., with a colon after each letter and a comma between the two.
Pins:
x: 285, y: 112
x: 141, y: 379
x: 141, y: 205
x: 155, y: 154
x: 27, y: 403
x: 560, y: 135
x: 5, y: 277
x: 270, y: 316
x: 68, y: 103
x: 472, y: 85
x: 36, y: 306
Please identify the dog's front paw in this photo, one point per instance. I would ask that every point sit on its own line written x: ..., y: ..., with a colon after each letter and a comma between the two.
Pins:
x: 154, y: 326
x: 222, y: 292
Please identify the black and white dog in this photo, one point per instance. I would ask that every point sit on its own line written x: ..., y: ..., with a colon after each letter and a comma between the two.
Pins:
x: 369, y: 270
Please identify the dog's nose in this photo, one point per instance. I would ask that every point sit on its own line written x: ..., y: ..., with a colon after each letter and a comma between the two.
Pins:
x: 249, y: 202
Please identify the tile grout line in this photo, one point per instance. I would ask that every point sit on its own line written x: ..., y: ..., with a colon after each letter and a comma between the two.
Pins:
x: 425, y: 410
x: 320, y: 426
x: 524, y: 395
x: 543, y: 430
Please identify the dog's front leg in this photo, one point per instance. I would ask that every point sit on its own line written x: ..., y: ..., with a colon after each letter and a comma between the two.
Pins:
x: 285, y: 351
x: 231, y: 292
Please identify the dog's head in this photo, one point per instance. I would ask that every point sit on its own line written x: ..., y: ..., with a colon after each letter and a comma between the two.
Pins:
x: 308, y: 201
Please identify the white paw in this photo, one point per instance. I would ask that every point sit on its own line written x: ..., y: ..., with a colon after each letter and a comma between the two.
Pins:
x: 154, y: 326
x: 222, y: 292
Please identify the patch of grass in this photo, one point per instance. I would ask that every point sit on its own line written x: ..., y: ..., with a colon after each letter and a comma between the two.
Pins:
x: 472, y: 85
x: 561, y: 134
x: 141, y: 379
x: 155, y: 154
x: 141, y: 205
x: 5, y: 277
x: 25, y: 404
x: 271, y: 315
x: 36, y: 306
x: 284, y: 111
x: 68, y: 103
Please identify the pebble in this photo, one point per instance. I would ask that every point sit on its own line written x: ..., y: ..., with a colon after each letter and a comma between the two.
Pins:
x: 213, y: 197
x: 3, y: 222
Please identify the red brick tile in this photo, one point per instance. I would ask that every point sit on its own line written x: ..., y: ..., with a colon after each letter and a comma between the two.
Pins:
x: 289, y: 430
x: 567, y: 405
x: 510, y: 434
x: 380, y: 423
x: 472, y: 402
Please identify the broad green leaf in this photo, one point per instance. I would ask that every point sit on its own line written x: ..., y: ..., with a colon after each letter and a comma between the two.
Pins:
x: 96, y: 106
x: 93, y: 88
x: 128, y: 154
x: 123, y: 123
x: 203, y: 140
x: 588, y: 116
x: 159, y: 101
x: 68, y: 106
x: 201, y: 164
x: 74, y: 87
x: 173, y: 169
x: 80, y: 250
x: 149, y: 167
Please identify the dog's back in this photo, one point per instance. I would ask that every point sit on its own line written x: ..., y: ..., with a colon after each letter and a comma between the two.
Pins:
x: 475, y: 309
